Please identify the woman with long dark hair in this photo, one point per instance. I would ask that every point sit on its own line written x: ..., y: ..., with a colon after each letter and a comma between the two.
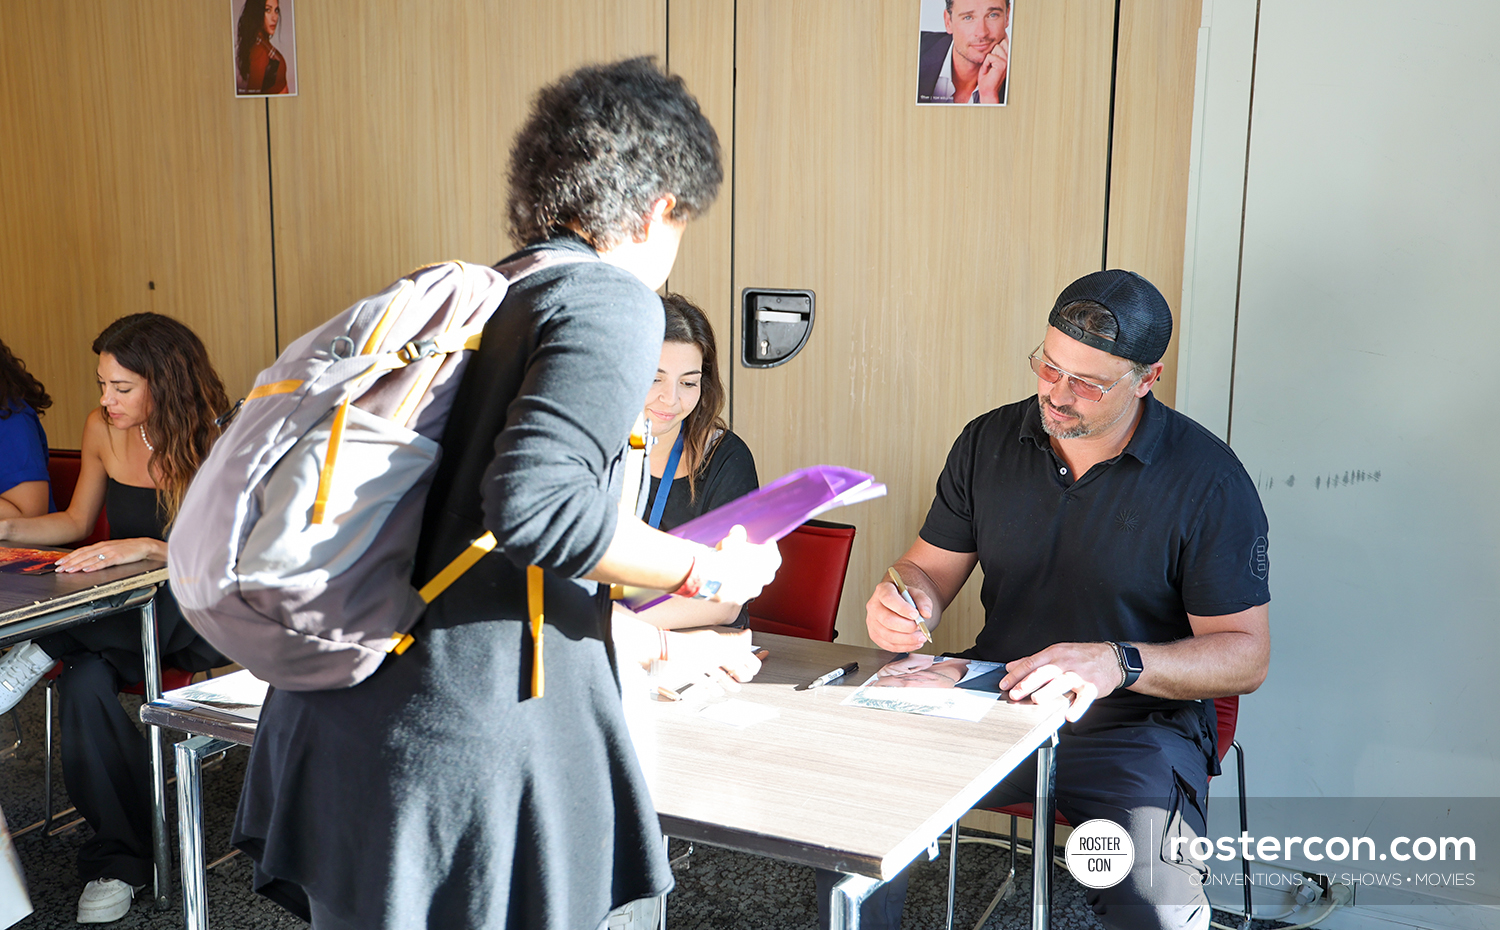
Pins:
x: 710, y: 465
x: 158, y: 397
x: 259, y: 65
x: 24, y: 488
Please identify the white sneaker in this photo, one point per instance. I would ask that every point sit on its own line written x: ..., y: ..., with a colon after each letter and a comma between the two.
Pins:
x: 105, y: 900
x: 21, y: 668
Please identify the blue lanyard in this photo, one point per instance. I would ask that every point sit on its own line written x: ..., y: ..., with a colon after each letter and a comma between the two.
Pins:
x: 659, y: 504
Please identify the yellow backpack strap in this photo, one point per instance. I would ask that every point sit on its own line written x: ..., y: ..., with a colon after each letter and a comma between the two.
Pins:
x: 461, y: 563
x: 534, y: 578
x: 330, y: 460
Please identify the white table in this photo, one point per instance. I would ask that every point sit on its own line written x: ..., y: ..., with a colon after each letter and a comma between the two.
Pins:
x: 852, y: 789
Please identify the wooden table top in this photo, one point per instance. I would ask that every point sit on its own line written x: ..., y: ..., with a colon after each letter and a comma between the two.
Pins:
x: 29, y: 597
x: 854, y: 789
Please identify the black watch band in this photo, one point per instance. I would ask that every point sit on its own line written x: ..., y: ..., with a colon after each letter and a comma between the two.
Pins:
x: 1130, y: 663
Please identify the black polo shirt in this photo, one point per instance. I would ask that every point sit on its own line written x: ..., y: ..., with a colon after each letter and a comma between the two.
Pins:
x: 1171, y: 526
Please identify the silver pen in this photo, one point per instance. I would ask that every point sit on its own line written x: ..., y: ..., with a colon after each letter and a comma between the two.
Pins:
x: 906, y: 596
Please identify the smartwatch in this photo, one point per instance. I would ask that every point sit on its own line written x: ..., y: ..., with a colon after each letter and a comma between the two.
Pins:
x: 1130, y: 663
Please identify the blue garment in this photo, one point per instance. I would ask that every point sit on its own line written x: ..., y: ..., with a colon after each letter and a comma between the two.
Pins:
x: 23, y: 448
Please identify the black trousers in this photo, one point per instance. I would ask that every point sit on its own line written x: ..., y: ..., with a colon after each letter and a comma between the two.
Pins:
x: 1149, y: 774
x: 105, y: 759
x: 107, y: 770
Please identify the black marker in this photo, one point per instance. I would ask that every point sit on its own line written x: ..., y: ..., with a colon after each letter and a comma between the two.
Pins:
x: 834, y: 675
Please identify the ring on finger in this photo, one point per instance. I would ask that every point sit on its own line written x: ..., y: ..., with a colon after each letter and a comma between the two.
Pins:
x: 101, y: 557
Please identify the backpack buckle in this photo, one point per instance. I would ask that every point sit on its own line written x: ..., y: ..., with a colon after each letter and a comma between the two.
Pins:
x: 416, y: 351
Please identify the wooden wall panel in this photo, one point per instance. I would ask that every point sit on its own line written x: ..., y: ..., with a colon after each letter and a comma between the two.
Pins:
x: 936, y: 239
x: 700, y: 47
x: 394, y: 153
x: 127, y: 163
x: 1152, y: 147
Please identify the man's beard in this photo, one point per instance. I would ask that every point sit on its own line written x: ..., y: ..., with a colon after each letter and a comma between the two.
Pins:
x: 1083, y: 428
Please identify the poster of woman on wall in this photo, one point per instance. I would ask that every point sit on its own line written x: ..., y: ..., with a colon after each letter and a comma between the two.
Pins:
x: 964, y: 51
x: 265, y: 48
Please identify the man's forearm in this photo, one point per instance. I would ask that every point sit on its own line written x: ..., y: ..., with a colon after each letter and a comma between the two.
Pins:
x: 1205, y: 666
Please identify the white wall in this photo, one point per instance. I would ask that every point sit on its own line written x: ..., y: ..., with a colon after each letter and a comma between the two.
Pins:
x: 1365, y: 395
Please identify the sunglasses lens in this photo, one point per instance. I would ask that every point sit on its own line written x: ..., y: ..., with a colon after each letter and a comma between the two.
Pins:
x: 1085, y: 389
x: 1044, y: 371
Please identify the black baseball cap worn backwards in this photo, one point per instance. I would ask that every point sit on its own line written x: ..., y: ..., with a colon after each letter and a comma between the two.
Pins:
x: 1140, y: 312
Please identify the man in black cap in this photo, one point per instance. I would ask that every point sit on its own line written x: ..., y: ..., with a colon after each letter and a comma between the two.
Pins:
x: 1124, y: 556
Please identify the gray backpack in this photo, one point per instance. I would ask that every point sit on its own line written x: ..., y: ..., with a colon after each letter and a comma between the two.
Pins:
x: 294, y: 547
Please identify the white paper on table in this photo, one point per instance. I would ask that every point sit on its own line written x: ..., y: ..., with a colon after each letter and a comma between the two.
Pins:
x: 239, y: 693
x: 954, y: 703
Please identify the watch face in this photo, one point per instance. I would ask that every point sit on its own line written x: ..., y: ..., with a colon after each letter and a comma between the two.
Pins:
x: 1132, y: 658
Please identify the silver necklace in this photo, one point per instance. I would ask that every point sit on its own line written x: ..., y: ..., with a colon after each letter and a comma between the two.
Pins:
x: 149, y: 446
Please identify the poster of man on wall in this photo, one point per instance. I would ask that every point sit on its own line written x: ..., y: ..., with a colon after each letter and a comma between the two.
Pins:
x: 265, y: 48
x: 963, y: 54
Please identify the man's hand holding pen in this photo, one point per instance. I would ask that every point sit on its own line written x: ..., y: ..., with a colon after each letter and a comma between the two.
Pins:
x: 893, y: 622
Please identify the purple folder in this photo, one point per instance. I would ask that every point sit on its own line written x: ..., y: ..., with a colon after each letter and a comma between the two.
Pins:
x: 773, y: 511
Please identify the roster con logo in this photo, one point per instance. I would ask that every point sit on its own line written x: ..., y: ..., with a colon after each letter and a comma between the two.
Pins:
x: 1099, y: 854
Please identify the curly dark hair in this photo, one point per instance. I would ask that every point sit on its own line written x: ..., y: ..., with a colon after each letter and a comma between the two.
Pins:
x: 601, y: 146
x: 18, y: 386
x: 186, y: 396
x: 689, y: 325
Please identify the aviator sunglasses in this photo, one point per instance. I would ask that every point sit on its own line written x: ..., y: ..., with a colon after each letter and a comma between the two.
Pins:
x: 1083, y: 388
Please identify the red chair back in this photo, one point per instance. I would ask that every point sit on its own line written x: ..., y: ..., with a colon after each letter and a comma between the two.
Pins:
x: 803, y: 599
x: 1227, y: 711
x: 62, y: 471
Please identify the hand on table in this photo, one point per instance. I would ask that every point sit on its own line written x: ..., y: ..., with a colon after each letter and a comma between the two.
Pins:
x: 1085, y: 671
x: 111, y: 552
x: 726, y: 656
x: 892, y: 623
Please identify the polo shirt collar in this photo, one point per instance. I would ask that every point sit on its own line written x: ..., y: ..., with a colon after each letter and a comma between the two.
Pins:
x: 1143, y: 443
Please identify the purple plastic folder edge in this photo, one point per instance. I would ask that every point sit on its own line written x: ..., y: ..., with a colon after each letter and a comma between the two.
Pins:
x: 774, y: 510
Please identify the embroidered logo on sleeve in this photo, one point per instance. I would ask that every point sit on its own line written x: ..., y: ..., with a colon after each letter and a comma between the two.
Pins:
x: 1260, y: 560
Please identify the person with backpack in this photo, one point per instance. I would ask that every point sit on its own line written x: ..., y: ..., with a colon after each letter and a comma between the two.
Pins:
x: 449, y: 788
x: 158, y: 399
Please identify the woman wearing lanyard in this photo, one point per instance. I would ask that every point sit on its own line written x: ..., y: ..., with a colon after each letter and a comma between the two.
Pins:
x: 697, y: 464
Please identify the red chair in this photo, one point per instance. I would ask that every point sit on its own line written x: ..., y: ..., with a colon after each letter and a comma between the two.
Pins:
x: 1226, y: 714
x: 803, y: 599
x: 62, y: 470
